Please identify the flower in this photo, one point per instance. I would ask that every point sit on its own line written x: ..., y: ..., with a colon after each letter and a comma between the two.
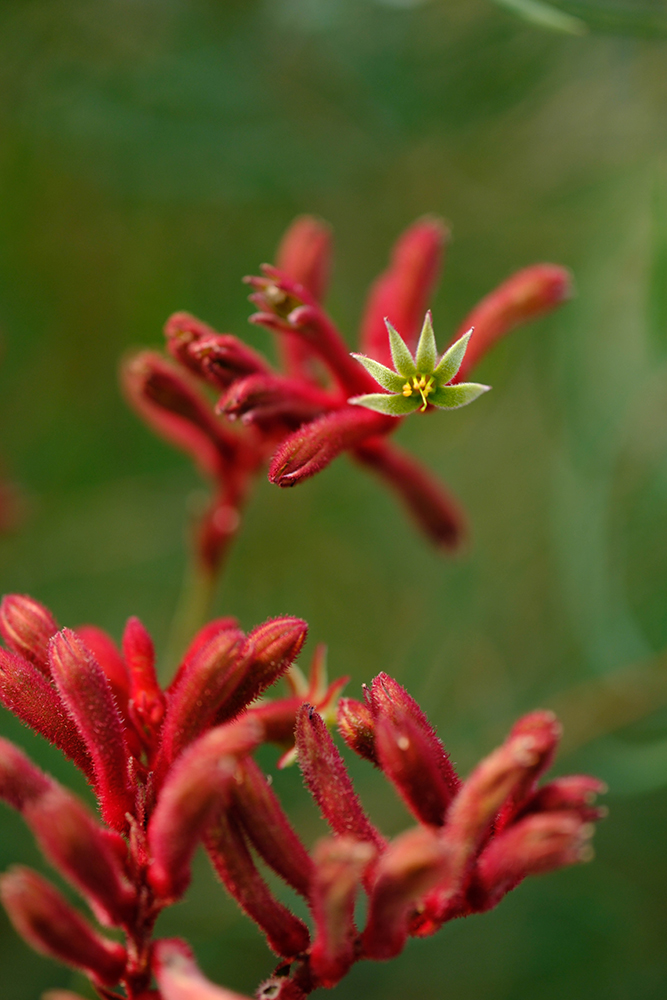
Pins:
x: 323, y: 402
x: 420, y: 381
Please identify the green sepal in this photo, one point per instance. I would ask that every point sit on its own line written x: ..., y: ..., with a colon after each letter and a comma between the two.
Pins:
x: 450, y: 397
x: 392, y: 406
x: 451, y: 360
x: 384, y: 376
x: 400, y: 353
x: 427, y: 352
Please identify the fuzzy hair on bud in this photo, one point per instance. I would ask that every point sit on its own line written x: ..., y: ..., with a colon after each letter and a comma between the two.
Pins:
x: 196, y: 786
x: 357, y: 727
x: 316, y: 444
x: 86, y: 693
x: 328, y: 781
x: 45, y: 919
x: 26, y: 626
x: 147, y: 702
x: 267, y: 827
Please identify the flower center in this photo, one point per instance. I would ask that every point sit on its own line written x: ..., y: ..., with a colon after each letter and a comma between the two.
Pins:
x: 421, y: 385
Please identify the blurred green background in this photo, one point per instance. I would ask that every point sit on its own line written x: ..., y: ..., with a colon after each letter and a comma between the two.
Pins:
x: 151, y: 153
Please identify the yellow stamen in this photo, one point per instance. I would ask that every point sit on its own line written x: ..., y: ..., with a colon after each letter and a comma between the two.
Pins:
x: 407, y: 391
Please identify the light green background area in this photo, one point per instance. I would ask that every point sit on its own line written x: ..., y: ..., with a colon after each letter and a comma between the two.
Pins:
x: 151, y: 153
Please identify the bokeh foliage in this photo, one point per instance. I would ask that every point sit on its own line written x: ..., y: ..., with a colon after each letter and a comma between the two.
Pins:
x: 151, y: 152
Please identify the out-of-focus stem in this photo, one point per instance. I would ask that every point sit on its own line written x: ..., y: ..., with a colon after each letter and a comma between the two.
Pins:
x: 193, y: 610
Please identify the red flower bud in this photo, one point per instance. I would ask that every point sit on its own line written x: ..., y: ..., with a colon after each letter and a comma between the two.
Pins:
x: 176, y: 411
x: 575, y: 792
x: 196, y: 697
x: 503, y: 779
x: 20, y: 779
x: 273, y: 402
x: 229, y: 853
x: 411, y: 865
x: 84, y: 852
x: 146, y: 697
x: 328, y: 782
x: 87, y: 696
x: 402, y: 292
x: 525, y: 296
x: 195, y: 788
x: 304, y: 254
x: 26, y: 626
x: 539, y: 843
x: 258, y: 810
x: 339, y: 867
x: 357, y: 727
x: 311, y: 448
x: 222, y: 359
x: 389, y: 700
x: 433, y: 509
x: 267, y: 653
x: 178, y: 976
x: 49, y: 924
x: 26, y: 692
x: 105, y: 651
x: 201, y: 639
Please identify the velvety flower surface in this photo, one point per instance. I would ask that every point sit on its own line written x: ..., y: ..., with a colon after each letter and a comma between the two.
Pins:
x: 172, y: 768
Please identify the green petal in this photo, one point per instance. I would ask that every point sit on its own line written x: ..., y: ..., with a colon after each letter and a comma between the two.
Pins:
x: 427, y: 352
x: 385, y: 376
x: 450, y: 397
x: 403, y: 360
x: 451, y: 360
x: 392, y: 406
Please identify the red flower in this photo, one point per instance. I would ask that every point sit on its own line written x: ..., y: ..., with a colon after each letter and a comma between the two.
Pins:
x: 300, y: 418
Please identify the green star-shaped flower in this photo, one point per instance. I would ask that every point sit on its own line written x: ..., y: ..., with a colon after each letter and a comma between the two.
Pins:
x: 419, y: 381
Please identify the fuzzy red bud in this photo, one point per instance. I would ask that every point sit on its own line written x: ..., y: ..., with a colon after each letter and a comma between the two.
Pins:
x: 26, y: 626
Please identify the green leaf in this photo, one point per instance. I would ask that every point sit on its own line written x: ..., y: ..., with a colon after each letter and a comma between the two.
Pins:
x: 545, y: 16
x: 451, y: 360
x: 403, y: 360
x: 385, y: 376
x: 427, y: 352
x: 450, y: 397
x: 392, y: 406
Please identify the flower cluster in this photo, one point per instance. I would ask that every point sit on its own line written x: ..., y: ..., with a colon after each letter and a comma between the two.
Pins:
x: 172, y: 767
x: 301, y: 418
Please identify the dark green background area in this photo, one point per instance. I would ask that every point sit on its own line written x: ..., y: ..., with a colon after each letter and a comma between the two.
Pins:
x: 151, y: 153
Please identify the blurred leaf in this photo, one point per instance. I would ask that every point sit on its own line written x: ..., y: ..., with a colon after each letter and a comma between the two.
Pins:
x: 545, y: 16
x: 657, y: 291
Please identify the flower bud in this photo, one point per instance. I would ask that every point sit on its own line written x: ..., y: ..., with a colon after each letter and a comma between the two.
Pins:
x: 178, y: 976
x: 87, y: 696
x: 196, y: 696
x: 49, y: 924
x: 222, y: 359
x: 228, y: 851
x: 26, y: 626
x: 412, y: 864
x: 174, y: 409
x: 503, y: 779
x: 201, y: 639
x: 83, y: 851
x: 328, y: 781
x: 20, y: 779
x: 575, y: 792
x: 340, y: 863
x: 267, y: 653
x: 389, y: 700
x: 539, y: 843
x: 315, y: 445
x: 26, y: 692
x: 267, y: 827
x: 105, y: 651
x: 402, y: 292
x: 525, y: 296
x: 196, y: 786
x: 146, y: 697
x: 431, y: 506
x: 357, y: 727
x: 304, y: 254
x: 274, y: 402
